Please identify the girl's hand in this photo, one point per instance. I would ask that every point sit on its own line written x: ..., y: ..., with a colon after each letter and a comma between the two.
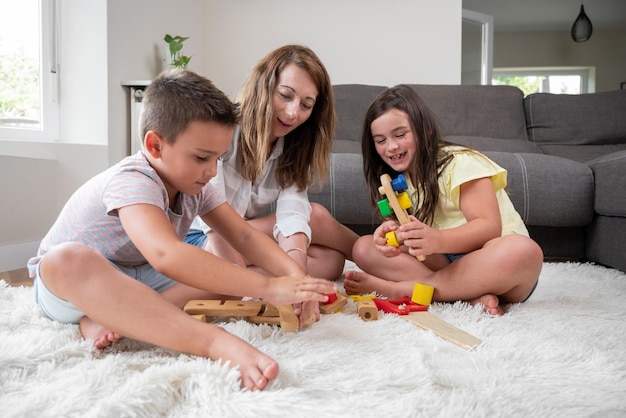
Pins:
x: 287, y: 289
x: 380, y: 240
x: 418, y: 238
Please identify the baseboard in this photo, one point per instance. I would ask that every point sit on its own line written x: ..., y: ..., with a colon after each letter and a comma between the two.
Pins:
x: 13, y: 257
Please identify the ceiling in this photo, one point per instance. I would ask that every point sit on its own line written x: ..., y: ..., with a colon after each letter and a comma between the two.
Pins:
x: 549, y: 15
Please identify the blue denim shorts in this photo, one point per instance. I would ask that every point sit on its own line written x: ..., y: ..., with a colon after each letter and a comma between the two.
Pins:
x: 453, y: 257
x: 65, y: 312
x: 196, y: 237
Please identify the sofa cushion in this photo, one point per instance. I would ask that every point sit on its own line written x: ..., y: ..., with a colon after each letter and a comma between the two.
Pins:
x: 596, y: 118
x: 581, y: 153
x: 605, y: 241
x: 495, y: 144
x: 543, y: 192
x: 489, y: 111
x: 343, y: 146
x: 345, y: 193
x: 351, y: 104
x: 609, y: 172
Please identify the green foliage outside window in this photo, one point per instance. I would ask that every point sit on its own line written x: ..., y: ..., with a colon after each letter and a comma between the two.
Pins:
x: 19, y: 84
x: 528, y: 85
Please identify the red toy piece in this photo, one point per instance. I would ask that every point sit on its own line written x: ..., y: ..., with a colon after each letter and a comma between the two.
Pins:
x: 402, y: 306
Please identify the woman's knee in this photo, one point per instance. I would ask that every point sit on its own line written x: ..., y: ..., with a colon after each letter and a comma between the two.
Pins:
x: 319, y: 215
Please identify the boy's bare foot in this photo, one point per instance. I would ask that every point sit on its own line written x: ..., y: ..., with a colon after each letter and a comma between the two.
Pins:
x: 490, y: 302
x: 358, y: 282
x: 256, y: 368
x: 102, y: 337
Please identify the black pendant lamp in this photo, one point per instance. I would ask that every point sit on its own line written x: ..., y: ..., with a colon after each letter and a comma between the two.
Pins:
x: 582, y: 28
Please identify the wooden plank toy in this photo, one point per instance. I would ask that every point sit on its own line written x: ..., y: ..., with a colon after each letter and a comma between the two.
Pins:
x: 419, y: 315
x: 398, y: 201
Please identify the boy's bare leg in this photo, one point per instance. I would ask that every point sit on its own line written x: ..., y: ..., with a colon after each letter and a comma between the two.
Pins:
x: 128, y: 308
x: 503, y: 271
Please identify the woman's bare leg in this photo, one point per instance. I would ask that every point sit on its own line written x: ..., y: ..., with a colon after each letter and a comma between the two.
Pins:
x: 330, y: 246
x: 126, y: 307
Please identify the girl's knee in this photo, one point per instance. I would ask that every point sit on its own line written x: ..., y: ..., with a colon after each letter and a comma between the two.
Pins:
x: 362, y: 249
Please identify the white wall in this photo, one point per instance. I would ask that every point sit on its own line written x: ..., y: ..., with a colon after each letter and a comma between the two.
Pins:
x: 360, y: 41
x: 606, y: 50
x: 106, y: 42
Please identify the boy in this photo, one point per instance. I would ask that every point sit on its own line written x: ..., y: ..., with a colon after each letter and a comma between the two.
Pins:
x: 114, y: 261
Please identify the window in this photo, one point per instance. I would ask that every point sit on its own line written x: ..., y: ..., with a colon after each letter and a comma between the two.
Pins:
x: 28, y: 70
x: 558, y: 80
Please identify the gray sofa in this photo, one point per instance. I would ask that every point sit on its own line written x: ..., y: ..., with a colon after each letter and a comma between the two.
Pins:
x: 565, y: 156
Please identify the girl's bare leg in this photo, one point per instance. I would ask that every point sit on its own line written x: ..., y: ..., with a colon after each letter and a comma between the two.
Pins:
x: 506, y: 268
x: 125, y: 307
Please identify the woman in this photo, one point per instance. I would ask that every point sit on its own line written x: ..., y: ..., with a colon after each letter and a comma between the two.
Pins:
x: 283, y: 148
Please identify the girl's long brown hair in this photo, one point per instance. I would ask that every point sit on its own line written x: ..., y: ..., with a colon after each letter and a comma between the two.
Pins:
x: 430, y: 158
x: 307, y: 148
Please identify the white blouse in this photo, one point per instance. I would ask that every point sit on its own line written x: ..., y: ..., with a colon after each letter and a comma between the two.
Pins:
x: 251, y: 200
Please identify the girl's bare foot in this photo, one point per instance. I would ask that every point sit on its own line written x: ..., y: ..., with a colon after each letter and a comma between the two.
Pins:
x: 357, y: 282
x: 102, y: 337
x: 490, y: 302
x: 256, y: 368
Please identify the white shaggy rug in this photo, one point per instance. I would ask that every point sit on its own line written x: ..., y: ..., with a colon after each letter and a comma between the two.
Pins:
x: 561, y: 354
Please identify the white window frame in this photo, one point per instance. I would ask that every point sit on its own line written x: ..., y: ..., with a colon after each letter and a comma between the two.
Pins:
x: 49, y: 81
x: 587, y: 74
x: 485, y: 21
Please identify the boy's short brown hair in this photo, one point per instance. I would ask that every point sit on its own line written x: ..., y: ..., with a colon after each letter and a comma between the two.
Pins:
x: 177, y: 97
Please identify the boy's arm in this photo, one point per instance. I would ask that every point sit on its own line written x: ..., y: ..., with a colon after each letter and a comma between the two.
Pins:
x: 150, y: 230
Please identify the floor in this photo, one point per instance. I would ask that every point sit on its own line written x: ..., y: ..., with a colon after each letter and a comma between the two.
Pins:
x: 17, y: 277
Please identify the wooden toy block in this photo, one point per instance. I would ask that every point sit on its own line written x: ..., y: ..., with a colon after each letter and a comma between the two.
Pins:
x: 334, y: 304
x: 289, y: 321
x: 388, y: 189
x: 422, y: 294
x: 255, y: 311
x: 201, y: 318
x: 367, y: 310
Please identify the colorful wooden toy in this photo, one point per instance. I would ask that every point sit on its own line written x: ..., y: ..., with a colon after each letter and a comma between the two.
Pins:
x: 397, y: 201
x: 259, y: 312
x: 367, y: 310
x: 422, y: 294
x: 334, y: 303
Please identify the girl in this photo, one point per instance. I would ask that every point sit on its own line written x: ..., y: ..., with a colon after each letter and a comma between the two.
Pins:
x: 476, y: 245
x: 283, y: 147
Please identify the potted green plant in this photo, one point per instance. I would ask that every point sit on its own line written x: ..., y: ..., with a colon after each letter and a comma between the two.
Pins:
x: 175, y: 43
